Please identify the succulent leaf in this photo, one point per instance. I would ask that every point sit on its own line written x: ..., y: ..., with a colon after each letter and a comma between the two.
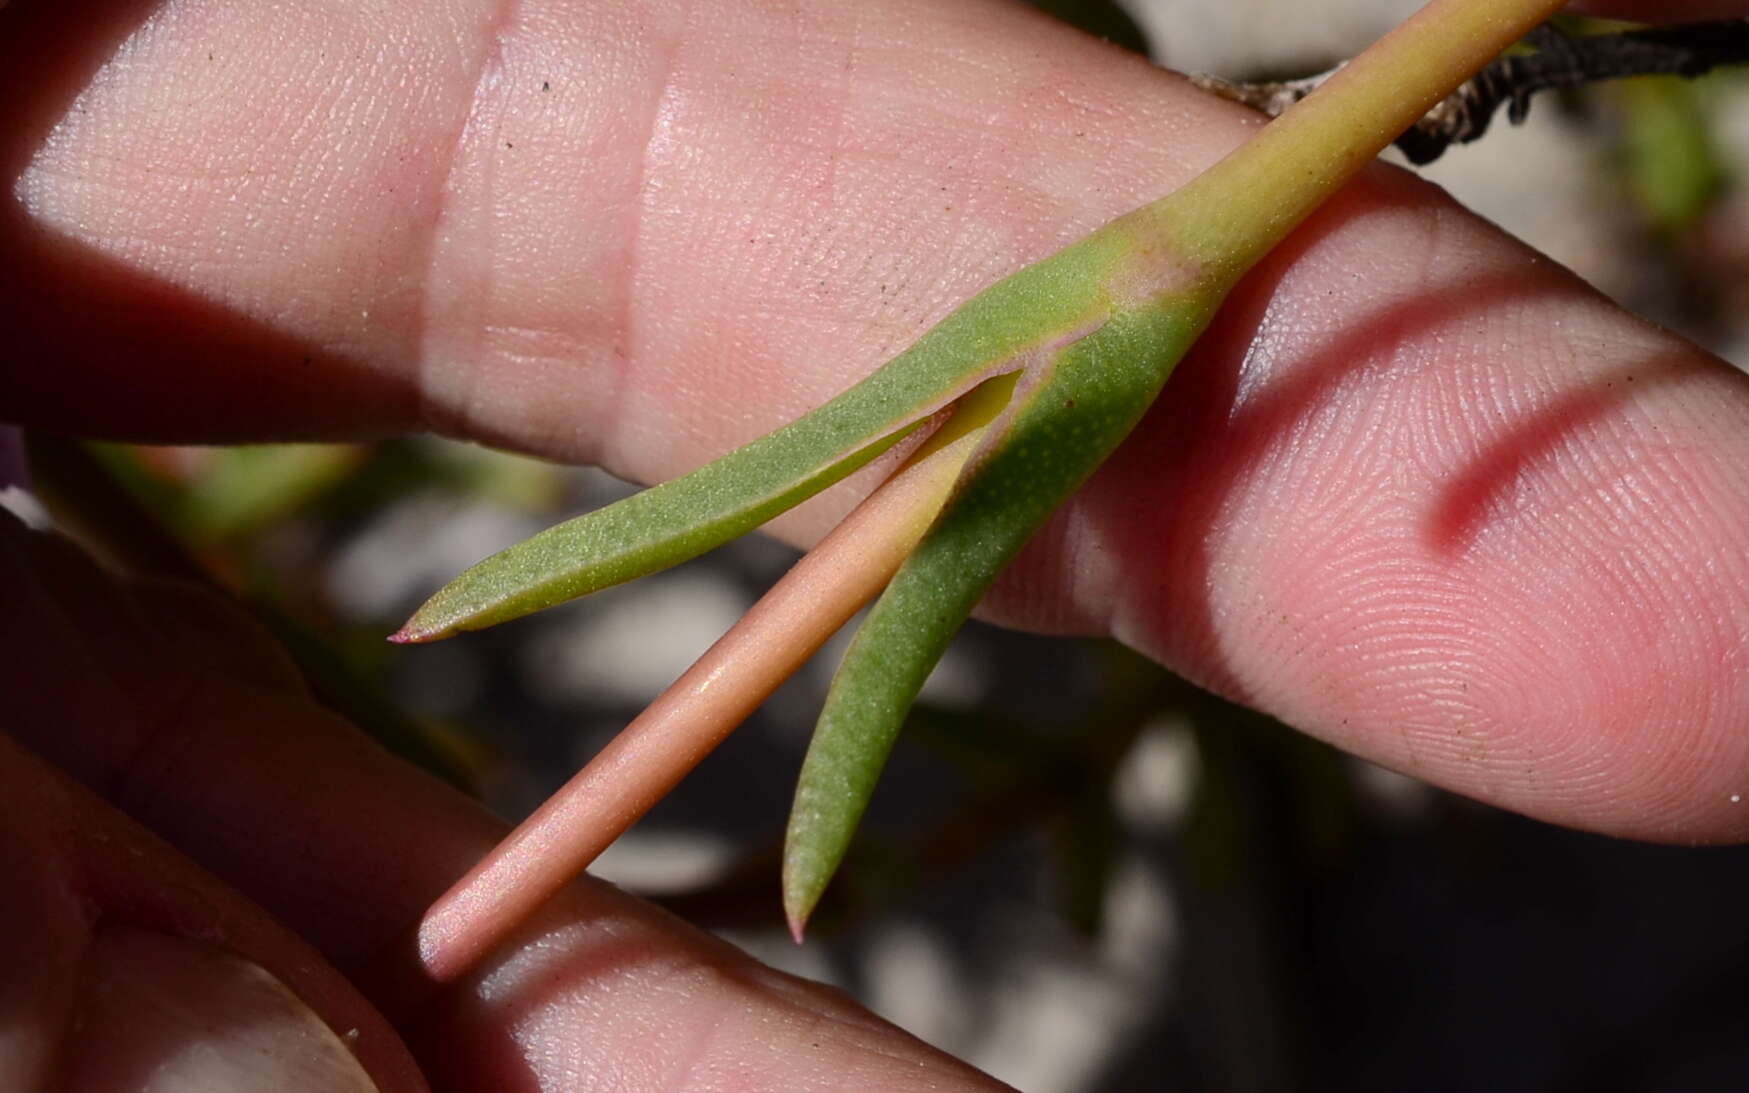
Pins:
x: 1066, y: 419
x: 1009, y: 325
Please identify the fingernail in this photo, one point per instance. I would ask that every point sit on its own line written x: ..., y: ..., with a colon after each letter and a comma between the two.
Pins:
x: 160, y: 1013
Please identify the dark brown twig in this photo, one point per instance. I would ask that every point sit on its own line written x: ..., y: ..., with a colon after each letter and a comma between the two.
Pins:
x: 1559, y: 61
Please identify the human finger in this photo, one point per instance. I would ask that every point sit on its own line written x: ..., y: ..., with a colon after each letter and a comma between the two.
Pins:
x: 129, y: 968
x: 1418, y: 492
x: 147, y: 693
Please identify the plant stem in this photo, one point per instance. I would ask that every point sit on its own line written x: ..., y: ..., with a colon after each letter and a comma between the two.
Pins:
x: 1236, y: 211
x: 1560, y: 61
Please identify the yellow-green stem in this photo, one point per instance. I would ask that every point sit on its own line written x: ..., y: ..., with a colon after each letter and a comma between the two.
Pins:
x: 1236, y: 211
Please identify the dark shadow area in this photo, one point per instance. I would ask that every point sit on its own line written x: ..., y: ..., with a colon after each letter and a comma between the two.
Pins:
x: 1472, y: 950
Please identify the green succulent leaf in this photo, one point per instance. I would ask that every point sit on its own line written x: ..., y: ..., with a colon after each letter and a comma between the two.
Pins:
x: 1007, y: 327
x: 646, y: 532
x: 1067, y: 418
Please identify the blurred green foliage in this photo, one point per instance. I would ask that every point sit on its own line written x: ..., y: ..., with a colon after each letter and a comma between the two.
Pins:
x: 1666, y: 154
x: 225, y: 515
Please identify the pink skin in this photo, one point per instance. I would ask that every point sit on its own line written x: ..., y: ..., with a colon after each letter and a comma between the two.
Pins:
x: 1418, y: 492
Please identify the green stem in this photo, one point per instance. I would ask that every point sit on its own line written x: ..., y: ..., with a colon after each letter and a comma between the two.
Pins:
x: 1242, y: 207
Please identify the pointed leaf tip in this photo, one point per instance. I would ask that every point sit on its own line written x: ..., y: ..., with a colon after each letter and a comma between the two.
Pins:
x: 800, y: 895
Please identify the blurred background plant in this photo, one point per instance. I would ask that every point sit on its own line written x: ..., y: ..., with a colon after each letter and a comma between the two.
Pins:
x: 1080, y: 873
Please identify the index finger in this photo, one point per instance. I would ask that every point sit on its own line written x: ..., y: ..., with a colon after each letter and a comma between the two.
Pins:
x: 1418, y: 492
